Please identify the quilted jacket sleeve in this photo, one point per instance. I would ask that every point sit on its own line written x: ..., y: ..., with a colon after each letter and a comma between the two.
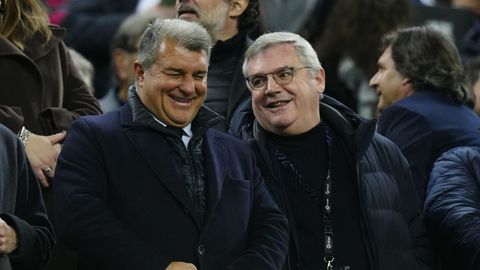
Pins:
x: 452, y: 207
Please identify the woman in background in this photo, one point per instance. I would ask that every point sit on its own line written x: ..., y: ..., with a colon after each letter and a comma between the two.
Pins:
x: 41, y: 90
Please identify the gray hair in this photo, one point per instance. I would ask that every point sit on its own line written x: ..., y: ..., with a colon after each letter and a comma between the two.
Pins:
x: 188, y: 35
x: 305, y: 51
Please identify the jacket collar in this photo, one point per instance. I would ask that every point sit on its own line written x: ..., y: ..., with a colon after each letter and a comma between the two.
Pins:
x: 7, y: 48
x: 355, y: 130
x: 35, y: 52
x: 32, y: 49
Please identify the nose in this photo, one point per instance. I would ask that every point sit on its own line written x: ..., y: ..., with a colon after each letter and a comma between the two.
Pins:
x: 188, y: 85
x: 374, y: 80
x: 178, y: 2
x: 272, y: 85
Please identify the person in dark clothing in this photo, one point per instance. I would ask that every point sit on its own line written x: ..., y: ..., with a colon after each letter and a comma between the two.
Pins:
x: 420, y: 82
x: 346, y: 191
x: 26, y: 235
x: 452, y: 207
x: 152, y: 186
x: 42, y: 93
x: 469, y: 46
x: 91, y: 26
x: 229, y: 22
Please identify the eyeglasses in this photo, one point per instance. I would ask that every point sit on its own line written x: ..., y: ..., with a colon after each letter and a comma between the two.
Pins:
x: 282, y: 76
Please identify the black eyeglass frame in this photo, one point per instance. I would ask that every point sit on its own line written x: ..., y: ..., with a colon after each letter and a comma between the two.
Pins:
x: 277, y: 72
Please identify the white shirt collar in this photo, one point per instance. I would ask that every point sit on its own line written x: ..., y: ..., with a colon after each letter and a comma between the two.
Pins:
x: 187, y: 131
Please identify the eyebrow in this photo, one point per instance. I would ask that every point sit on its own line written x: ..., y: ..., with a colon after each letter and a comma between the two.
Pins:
x: 181, y: 71
x: 178, y: 70
x: 273, y: 71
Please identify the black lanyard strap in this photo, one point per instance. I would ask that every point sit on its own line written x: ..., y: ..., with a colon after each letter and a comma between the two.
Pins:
x: 327, y: 222
x: 316, y: 196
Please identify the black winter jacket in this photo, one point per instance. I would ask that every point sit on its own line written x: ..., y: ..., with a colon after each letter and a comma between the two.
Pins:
x: 225, y: 53
x: 393, y: 230
x: 452, y: 208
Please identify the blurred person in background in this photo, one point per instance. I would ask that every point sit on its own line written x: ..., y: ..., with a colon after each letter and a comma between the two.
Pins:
x: 422, y: 98
x: 349, y: 67
x: 85, y: 68
x: 470, y: 45
x: 91, y: 26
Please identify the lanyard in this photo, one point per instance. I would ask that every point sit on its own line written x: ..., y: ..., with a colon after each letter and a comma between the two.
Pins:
x: 327, y: 221
x: 314, y: 194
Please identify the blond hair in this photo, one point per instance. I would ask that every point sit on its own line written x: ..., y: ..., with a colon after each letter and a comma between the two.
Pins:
x: 22, y: 19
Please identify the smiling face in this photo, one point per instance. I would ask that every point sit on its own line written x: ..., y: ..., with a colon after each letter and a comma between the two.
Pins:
x: 288, y: 109
x: 391, y: 86
x: 174, y: 88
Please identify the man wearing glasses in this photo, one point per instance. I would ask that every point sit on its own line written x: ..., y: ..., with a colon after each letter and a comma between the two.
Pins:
x: 347, y: 191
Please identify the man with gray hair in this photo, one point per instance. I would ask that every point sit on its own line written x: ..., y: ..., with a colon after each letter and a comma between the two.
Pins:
x: 346, y: 191
x: 153, y: 186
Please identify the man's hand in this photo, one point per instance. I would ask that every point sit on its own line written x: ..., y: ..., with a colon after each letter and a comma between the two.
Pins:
x: 8, y: 238
x: 181, y: 266
x: 42, y: 152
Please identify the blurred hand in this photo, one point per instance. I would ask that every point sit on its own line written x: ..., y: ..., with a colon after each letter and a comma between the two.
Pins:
x: 181, y: 266
x: 8, y: 238
x: 42, y: 152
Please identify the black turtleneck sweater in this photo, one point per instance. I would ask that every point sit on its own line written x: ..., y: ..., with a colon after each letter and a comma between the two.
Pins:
x: 309, y: 154
x: 225, y: 61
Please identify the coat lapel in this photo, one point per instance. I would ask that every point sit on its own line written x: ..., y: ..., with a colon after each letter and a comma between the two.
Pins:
x: 156, y: 152
x: 215, y: 167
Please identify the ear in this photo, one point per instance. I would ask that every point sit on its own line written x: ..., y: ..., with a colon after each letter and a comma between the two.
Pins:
x: 139, y: 74
x: 406, y: 87
x: 320, y: 81
x: 237, y: 7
